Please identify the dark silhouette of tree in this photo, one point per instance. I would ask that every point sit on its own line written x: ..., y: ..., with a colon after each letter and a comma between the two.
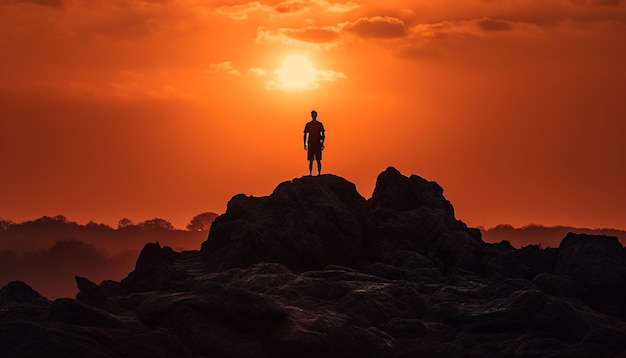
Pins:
x: 5, y: 224
x: 91, y: 225
x: 60, y: 218
x: 58, y: 222
x: 201, y: 222
x: 49, y: 251
x: 124, y: 223
x: 156, y: 224
x: 548, y: 236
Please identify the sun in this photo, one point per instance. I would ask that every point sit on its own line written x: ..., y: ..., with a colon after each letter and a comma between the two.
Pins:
x: 297, y: 73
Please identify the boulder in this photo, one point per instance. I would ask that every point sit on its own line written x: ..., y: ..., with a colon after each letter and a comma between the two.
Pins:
x: 18, y: 291
x: 526, y: 262
x: 89, y: 293
x: 153, y: 269
x: 70, y: 311
x: 304, y: 224
x: 410, y: 213
x: 596, y: 266
x: 397, y: 192
x: 18, y: 301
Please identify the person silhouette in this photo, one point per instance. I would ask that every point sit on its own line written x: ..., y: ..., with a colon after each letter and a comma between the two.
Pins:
x: 315, y: 143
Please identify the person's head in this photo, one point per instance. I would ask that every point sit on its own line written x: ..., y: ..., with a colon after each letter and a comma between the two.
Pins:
x: 313, y: 114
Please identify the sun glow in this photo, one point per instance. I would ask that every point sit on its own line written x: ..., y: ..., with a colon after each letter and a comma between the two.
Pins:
x: 297, y: 73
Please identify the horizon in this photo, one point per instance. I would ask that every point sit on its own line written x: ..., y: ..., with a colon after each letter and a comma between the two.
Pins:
x: 181, y: 225
x: 113, y: 109
x: 114, y: 226
x: 49, y: 253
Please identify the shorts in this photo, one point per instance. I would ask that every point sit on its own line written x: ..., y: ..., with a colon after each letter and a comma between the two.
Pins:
x: 314, y: 152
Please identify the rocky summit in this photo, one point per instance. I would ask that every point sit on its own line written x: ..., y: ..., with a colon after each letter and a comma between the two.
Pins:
x: 316, y: 270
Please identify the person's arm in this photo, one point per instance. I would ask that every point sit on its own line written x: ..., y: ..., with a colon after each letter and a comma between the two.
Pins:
x: 304, y: 140
x: 323, y: 133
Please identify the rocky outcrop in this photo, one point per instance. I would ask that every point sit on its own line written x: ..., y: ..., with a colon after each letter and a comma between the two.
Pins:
x: 315, y: 270
x: 305, y: 224
x: 312, y: 222
x: 412, y: 215
x: 595, y: 262
x: 592, y: 268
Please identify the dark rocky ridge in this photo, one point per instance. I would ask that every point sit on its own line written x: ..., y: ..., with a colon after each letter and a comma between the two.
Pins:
x: 305, y: 224
x: 316, y: 270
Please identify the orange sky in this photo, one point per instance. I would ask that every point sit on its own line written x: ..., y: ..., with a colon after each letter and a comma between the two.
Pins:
x: 167, y: 108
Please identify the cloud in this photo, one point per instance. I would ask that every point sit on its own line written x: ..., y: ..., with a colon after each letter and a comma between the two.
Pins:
x: 300, y: 6
x: 259, y: 72
x: 330, y: 75
x: 494, y: 25
x: 289, y: 7
x: 430, y: 41
x: 295, y: 6
x: 241, y: 12
x: 336, y: 7
x: 378, y: 27
x: 319, y: 76
x: 274, y: 84
x: 311, y: 37
x: 385, y: 27
x: 474, y: 27
x: 224, y: 67
x: 312, y: 34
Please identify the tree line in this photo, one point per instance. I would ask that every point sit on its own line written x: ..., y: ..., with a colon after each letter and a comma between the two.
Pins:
x: 200, y: 222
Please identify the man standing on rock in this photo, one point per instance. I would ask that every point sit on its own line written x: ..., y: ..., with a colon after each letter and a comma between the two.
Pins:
x: 315, y: 144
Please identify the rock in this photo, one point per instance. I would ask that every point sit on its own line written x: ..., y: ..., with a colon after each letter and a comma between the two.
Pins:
x: 153, y: 269
x: 315, y: 270
x: 73, y: 312
x: 411, y: 214
x: 112, y: 288
x: 18, y: 301
x: 305, y: 224
x: 18, y: 291
x: 527, y: 262
x: 595, y: 260
x: 90, y: 293
x: 297, y: 341
x: 595, y: 265
x: 607, y: 337
x: 542, y: 347
x: 236, y: 307
x: 554, y: 284
x: 396, y: 192
x: 537, y: 260
x: 153, y: 258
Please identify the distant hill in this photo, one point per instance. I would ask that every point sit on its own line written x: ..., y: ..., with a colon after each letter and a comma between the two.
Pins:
x: 45, y: 232
x: 49, y: 251
x: 546, y: 236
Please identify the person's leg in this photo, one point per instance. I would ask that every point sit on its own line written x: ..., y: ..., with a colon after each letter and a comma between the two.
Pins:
x: 319, y: 167
x: 310, y: 166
